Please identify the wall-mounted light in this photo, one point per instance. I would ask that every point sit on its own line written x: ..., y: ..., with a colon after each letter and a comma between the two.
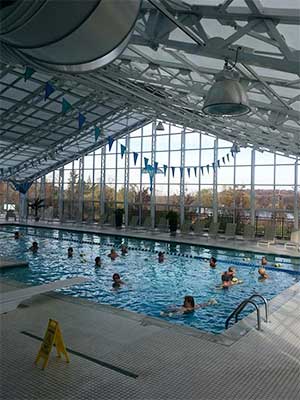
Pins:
x: 160, y: 126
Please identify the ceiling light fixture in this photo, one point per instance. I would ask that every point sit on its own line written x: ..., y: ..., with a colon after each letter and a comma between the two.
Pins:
x: 160, y: 127
x: 227, y: 97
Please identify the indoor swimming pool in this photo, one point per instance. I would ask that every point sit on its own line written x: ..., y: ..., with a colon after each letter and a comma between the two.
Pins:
x: 150, y: 287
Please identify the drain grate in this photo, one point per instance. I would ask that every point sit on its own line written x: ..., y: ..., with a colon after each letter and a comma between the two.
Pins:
x: 92, y: 359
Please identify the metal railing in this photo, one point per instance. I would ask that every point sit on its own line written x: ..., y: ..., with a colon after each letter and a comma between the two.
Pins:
x: 243, y: 304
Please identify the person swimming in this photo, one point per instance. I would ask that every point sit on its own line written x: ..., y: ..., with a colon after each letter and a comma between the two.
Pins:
x: 70, y: 252
x: 213, y: 262
x: 34, y: 248
x: 98, y: 262
x: 17, y: 235
x: 187, y: 307
x: 228, y: 278
x: 124, y: 249
x: 161, y: 257
x: 113, y: 254
x: 117, y: 282
x: 262, y: 274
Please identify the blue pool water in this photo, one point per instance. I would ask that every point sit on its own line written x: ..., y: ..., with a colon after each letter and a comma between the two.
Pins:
x: 150, y: 286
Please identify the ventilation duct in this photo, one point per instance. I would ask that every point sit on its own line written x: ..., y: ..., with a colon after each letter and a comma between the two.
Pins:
x: 65, y: 35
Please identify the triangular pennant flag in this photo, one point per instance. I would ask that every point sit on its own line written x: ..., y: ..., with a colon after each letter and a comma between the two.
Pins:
x: 207, y: 167
x: 97, y: 133
x: 219, y: 166
x: 49, y: 89
x: 223, y: 159
x: 232, y: 153
x: 81, y: 120
x: 173, y: 171
x: 65, y: 107
x: 213, y: 165
x: 28, y: 73
x: 123, y: 149
x: 227, y: 157
x: 195, y: 171
x: 146, y: 160
x: 202, y: 170
x: 181, y: 172
x: 135, y: 157
x: 151, y: 182
x: 110, y: 142
x: 189, y: 171
x: 155, y: 166
x: 165, y: 169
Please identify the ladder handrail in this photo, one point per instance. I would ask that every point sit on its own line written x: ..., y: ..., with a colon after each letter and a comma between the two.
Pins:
x: 240, y: 308
x: 265, y: 302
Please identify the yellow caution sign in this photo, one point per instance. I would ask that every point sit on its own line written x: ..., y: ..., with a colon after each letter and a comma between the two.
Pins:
x: 52, y: 337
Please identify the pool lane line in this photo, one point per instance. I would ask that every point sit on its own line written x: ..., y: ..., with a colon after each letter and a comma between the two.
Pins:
x: 92, y: 359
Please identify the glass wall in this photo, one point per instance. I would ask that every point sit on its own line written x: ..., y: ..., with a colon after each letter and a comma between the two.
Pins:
x: 247, y: 187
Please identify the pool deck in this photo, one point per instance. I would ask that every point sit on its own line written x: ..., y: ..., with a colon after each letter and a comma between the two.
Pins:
x: 121, y: 355
x: 157, y: 235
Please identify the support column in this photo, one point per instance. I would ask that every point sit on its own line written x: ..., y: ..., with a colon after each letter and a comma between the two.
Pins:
x: 199, y: 175
x: 102, y: 185
x: 141, y: 180
x: 43, y: 195
x: 61, y: 194
x: 215, y: 183
x: 81, y: 189
x: 234, y: 189
x: 252, y: 192
x: 153, y: 156
x: 296, y: 210
x: 182, y: 176
x: 126, y: 179
x: 93, y: 189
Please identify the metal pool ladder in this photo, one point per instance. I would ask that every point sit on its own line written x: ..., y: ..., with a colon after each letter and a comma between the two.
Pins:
x: 243, y: 304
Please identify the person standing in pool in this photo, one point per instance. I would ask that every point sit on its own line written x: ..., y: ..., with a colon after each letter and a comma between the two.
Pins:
x: 213, y: 262
x: 124, y: 249
x: 117, y: 282
x: 113, y: 254
x: 34, y: 248
x: 70, y: 252
x: 17, y: 235
x: 264, y: 261
x: 98, y: 262
x: 262, y: 274
x: 161, y: 257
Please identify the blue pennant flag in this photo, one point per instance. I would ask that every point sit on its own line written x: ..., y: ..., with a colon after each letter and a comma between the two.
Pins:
x: 135, y: 157
x: 49, y: 89
x: 110, y: 142
x: 81, y: 120
x: 155, y: 166
x: 146, y: 160
x: 189, y: 171
x: 123, y: 149
x: 22, y: 187
x: 151, y: 183
x: 65, y: 107
x: 219, y: 166
x: 195, y: 171
x: 232, y: 154
x: 165, y: 169
x: 28, y: 73
x: 181, y: 172
x: 207, y: 167
x: 97, y: 133
x: 173, y: 171
x: 228, y: 157
x: 214, y: 166
x: 223, y: 159
x: 202, y: 170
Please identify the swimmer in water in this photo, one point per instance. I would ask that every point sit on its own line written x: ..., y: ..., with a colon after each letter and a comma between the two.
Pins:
x: 98, y: 262
x: 113, y: 254
x: 124, y: 249
x: 229, y: 278
x: 70, y: 252
x: 117, y: 282
x: 161, y: 257
x: 17, y: 235
x: 262, y: 274
x: 188, y: 306
x: 213, y: 262
x: 34, y: 248
x: 264, y: 261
